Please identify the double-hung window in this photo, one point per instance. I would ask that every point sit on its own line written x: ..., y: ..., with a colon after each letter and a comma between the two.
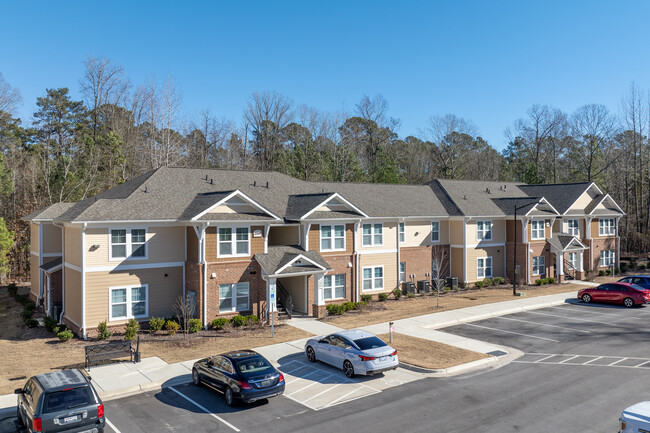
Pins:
x: 607, y: 258
x: 332, y: 238
x: 573, y: 228
x: 402, y: 272
x: 483, y: 230
x: 373, y: 278
x: 538, y: 265
x: 435, y: 231
x: 334, y: 286
x: 233, y: 297
x: 233, y: 242
x: 128, y: 244
x: 537, y: 230
x: 402, y: 233
x: 606, y: 227
x: 128, y: 302
x: 372, y: 235
x: 484, y: 267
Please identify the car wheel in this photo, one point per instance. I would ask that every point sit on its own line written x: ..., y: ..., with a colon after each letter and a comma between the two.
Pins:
x: 628, y: 302
x: 311, y: 355
x: 586, y: 298
x: 348, y: 369
x: 196, y: 379
x: 230, y: 397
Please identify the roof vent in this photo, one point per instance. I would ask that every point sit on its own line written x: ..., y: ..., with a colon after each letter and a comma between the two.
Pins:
x: 145, y: 190
x: 464, y: 197
x: 254, y: 183
x: 505, y: 187
x: 487, y: 190
x: 500, y: 187
x: 206, y: 177
x: 211, y: 181
x: 267, y: 183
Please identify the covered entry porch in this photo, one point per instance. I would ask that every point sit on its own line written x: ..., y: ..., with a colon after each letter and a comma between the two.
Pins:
x: 569, y: 257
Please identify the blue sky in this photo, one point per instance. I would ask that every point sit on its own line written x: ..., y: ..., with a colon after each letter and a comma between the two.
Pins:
x: 484, y: 61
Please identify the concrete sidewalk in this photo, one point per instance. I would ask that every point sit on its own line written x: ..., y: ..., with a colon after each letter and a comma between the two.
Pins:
x: 125, y: 378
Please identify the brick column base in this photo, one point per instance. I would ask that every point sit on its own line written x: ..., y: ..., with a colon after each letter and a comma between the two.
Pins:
x: 319, y: 311
x: 560, y: 278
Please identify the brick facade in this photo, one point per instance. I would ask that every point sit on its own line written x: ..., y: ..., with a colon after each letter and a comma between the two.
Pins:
x: 236, y: 272
x: 522, y: 254
x: 419, y: 260
x: 598, y: 245
x: 340, y: 265
x: 543, y: 249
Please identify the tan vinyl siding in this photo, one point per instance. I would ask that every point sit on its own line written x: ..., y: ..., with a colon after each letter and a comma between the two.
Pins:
x: 192, y: 245
x: 35, y: 274
x: 296, y: 287
x: 164, y: 244
x: 33, y: 237
x: 497, y: 261
x: 457, y: 264
x: 456, y: 232
x: 389, y: 232
x: 418, y: 233
x: 583, y: 201
x: 560, y: 226
x: 73, y: 245
x: 389, y: 261
x: 284, y: 235
x: 314, y: 240
x: 51, y: 239
x: 256, y: 245
x: 162, y: 291
x: 498, y: 231
x: 73, y: 295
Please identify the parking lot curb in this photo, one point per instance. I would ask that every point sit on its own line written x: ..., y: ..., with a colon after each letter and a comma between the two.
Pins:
x: 140, y: 389
x: 457, y: 369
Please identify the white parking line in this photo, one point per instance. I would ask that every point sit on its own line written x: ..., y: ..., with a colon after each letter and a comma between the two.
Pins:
x: 322, y: 392
x: 595, y: 359
x: 570, y: 318
x: 512, y: 332
x: 643, y: 363
x: 110, y: 424
x: 203, y: 409
x: 568, y: 359
x: 311, y: 384
x: 544, y: 358
x: 302, y: 377
x: 592, y: 311
x: 616, y: 362
x: 542, y: 324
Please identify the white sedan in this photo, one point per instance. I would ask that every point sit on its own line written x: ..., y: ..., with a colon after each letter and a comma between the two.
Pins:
x: 355, y: 351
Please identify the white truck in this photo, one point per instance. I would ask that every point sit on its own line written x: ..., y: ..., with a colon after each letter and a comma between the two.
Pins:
x: 636, y: 418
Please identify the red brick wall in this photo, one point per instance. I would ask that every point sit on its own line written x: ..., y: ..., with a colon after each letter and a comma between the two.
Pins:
x: 419, y: 260
x: 521, y: 261
x: 236, y: 272
x: 540, y: 249
x: 194, y: 282
x: 339, y: 264
x: 56, y: 282
x: 598, y: 245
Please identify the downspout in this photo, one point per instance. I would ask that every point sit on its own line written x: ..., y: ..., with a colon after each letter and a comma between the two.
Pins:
x: 83, y: 282
x: 465, y: 220
x: 40, y: 262
x: 205, y: 277
x: 356, y: 260
x: 62, y: 270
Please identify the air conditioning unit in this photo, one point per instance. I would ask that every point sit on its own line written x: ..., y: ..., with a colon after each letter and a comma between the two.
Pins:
x: 424, y: 286
x: 408, y: 287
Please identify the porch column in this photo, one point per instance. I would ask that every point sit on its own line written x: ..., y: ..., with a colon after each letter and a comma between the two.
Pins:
x: 318, y: 309
x: 271, y: 295
x: 559, y: 265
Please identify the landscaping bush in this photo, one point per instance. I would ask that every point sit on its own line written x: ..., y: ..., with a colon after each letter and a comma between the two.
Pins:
x: 156, y: 324
x: 50, y: 323
x: 410, y: 295
x: 348, y: 306
x: 487, y: 282
x: 601, y: 273
x: 623, y: 267
x: 238, y: 321
x: 397, y: 293
x: 551, y: 280
x: 102, y: 331
x: 366, y: 298
x: 132, y: 328
x: 32, y: 323
x: 539, y: 282
x: 12, y: 289
x: 360, y: 305
x: 497, y: 281
x: 195, y: 326
x: 382, y: 296
x: 219, y: 323
x: 29, y: 305
x: 608, y: 271
x: 65, y: 335
x: 172, y: 327
x: 251, y: 320
x: 641, y: 267
x: 479, y: 284
x: 26, y: 315
x: 335, y: 309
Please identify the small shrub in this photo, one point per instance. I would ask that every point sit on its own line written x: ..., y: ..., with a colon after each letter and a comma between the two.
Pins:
x: 102, y: 331
x: 479, y: 284
x: 366, y: 298
x: 410, y: 295
x: 252, y: 320
x: 335, y: 309
x: 608, y: 271
x: 360, y: 305
x: 551, y: 280
x: 172, y: 327
x: 65, y: 335
x: 642, y: 267
x: 498, y: 281
x: 382, y: 296
x: 12, y: 288
x: 32, y: 323
x: 132, y: 328
x: 195, y: 326
x: 219, y: 323
x: 29, y: 305
x: 26, y: 315
x: 539, y: 282
x: 601, y: 273
x: 623, y: 267
x: 349, y: 306
x: 487, y: 282
x: 50, y: 323
x: 397, y: 293
x: 156, y: 324
x: 238, y: 321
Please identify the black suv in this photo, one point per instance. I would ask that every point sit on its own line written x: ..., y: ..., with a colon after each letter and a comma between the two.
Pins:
x: 61, y: 401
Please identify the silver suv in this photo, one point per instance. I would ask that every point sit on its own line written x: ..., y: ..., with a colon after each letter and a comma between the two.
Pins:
x: 61, y: 401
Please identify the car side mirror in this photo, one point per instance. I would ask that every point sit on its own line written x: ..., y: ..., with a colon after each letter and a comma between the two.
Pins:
x: 19, y: 391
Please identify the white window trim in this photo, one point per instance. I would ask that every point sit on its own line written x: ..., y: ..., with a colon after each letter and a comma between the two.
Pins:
x: 128, y: 244
x: 610, y: 257
x: 233, y: 241
x: 372, y: 279
x: 128, y: 302
x: 484, y: 267
x: 438, y: 240
x: 575, y: 232
x: 332, y: 237
x: 233, y: 298
x: 533, y: 231
x: 484, y: 238
x: 401, y: 229
x: 372, y: 235
x: 536, y: 268
x: 333, y: 287
x: 611, y: 229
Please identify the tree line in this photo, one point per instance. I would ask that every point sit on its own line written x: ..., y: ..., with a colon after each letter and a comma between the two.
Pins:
x: 73, y: 149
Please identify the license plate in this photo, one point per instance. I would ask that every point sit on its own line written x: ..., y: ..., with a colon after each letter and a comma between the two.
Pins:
x: 383, y: 358
x: 265, y: 383
x: 69, y: 419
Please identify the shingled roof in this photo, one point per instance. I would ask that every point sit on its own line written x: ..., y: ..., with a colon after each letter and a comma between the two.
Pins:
x: 560, y: 195
x: 278, y: 257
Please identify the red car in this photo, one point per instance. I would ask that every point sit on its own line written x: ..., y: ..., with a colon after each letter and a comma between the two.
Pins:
x: 620, y: 293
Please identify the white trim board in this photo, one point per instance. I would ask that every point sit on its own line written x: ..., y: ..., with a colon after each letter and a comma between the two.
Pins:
x: 129, y: 267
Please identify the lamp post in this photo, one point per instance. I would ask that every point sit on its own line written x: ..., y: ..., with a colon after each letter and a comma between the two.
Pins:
x: 514, y: 257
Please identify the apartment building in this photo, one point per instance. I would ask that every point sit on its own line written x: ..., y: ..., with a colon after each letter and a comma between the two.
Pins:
x: 232, y: 239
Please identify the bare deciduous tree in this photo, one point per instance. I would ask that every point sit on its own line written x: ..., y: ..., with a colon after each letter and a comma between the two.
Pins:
x: 9, y: 96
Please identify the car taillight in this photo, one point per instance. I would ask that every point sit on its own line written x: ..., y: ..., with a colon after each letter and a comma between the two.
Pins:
x: 394, y: 353
x: 244, y: 385
x: 100, y: 411
x: 367, y: 358
x: 37, y: 424
x: 281, y: 378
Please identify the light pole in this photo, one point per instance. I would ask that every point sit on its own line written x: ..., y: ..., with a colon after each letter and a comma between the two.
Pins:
x: 514, y: 256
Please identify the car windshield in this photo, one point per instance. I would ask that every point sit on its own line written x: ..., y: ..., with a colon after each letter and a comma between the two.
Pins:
x: 254, y: 366
x: 369, y: 343
x: 67, y: 399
